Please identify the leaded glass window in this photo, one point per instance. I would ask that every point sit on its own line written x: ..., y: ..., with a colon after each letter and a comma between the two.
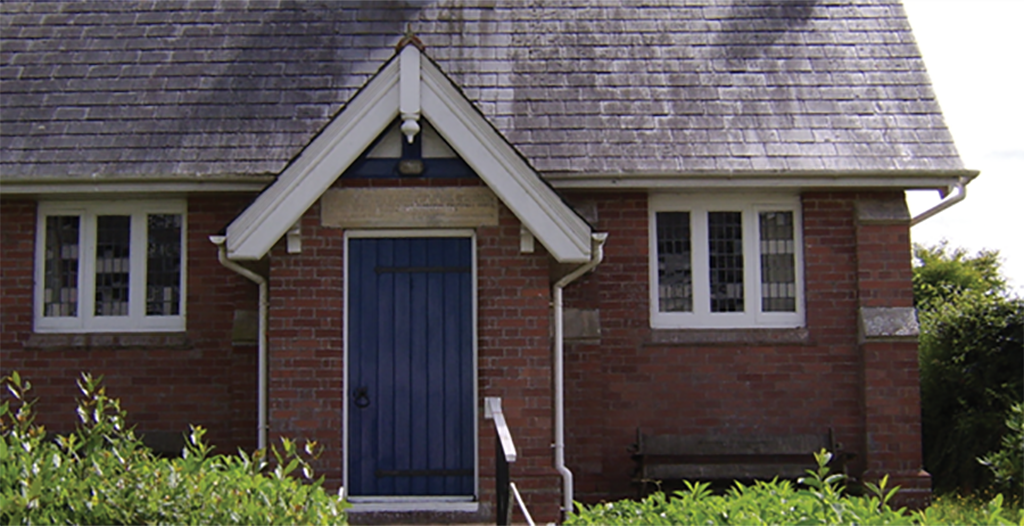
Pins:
x: 725, y: 261
x: 114, y: 265
x: 675, y: 270
x: 163, y: 264
x: 60, y: 275
x: 778, y: 262
x: 113, y: 250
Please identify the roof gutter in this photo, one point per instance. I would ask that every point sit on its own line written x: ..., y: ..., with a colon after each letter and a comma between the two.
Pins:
x: 961, y: 193
x: 77, y: 187
x: 805, y: 179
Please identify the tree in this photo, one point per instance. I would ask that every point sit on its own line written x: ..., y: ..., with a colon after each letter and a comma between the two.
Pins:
x: 942, y: 274
x: 972, y: 361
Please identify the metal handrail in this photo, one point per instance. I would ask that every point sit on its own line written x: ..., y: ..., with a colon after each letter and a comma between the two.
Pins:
x: 504, y: 454
x: 493, y: 411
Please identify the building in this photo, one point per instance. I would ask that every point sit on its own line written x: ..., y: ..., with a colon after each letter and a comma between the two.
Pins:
x: 379, y: 206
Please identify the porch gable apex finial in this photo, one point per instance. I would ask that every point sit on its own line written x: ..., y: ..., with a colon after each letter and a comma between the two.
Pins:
x: 410, y: 38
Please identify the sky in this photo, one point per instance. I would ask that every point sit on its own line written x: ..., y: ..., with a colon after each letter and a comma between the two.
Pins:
x: 972, y: 49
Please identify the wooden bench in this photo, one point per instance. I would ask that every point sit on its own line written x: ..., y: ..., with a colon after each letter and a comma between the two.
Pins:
x: 674, y: 458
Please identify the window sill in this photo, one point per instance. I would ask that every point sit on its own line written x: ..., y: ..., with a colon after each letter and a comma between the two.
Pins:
x: 665, y: 337
x: 108, y: 340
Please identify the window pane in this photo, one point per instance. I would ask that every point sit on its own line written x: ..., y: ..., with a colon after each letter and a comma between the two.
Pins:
x: 675, y: 278
x: 163, y: 265
x: 113, y: 237
x: 725, y: 261
x: 778, y: 262
x: 60, y: 272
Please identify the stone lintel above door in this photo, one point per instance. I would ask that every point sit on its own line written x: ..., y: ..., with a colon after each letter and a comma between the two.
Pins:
x: 456, y: 207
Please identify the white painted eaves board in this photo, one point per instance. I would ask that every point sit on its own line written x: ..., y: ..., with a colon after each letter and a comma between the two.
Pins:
x: 131, y: 188
x: 559, y: 229
x: 253, y: 233
x: 897, y: 179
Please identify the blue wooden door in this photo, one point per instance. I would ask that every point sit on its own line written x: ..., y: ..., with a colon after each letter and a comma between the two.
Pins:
x: 410, y: 379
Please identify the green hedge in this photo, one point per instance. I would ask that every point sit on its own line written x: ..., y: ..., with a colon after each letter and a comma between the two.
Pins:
x: 103, y: 474
x: 821, y: 501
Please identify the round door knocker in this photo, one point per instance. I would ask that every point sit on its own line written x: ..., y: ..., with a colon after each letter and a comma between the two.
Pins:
x: 361, y: 398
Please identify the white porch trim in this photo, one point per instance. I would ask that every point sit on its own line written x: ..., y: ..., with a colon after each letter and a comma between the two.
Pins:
x: 563, y: 232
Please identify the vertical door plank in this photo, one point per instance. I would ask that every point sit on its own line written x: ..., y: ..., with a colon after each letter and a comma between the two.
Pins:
x: 403, y: 365
x: 418, y: 348
x: 435, y: 364
x: 385, y: 403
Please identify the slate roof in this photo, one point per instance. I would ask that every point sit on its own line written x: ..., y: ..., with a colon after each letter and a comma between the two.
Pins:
x: 217, y: 90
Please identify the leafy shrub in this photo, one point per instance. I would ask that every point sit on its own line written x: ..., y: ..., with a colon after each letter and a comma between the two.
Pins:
x: 972, y: 362
x: 955, y: 509
x: 103, y: 474
x: 972, y: 371
x: 775, y: 502
x: 821, y: 501
x: 1007, y: 464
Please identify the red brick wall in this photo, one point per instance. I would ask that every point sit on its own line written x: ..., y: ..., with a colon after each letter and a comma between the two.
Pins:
x: 195, y: 378
x: 305, y: 341
x: 767, y: 381
x: 17, y: 237
x: 763, y: 382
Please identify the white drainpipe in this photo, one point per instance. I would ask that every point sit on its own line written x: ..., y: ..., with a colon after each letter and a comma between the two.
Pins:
x: 961, y: 193
x: 261, y: 417
x: 596, y: 255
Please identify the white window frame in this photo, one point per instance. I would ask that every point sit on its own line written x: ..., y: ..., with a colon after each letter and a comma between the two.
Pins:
x: 86, y: 321
x: 698, y: 205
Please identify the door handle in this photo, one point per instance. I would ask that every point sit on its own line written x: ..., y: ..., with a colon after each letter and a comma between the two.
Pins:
x: 361, y: 398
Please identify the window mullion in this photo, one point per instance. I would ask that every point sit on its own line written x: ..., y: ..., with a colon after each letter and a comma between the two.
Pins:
x: 137, y: 270
x: 751, y: 264
x: 87, y: 268
x: 83, y: 269
x: 701, y: 266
